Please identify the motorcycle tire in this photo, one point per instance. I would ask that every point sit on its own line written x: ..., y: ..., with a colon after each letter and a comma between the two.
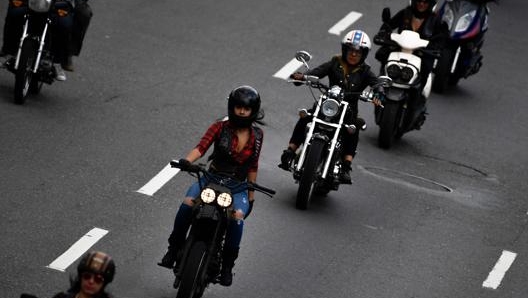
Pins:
x: 192, y: 284
x: 387, y: 126
x: 443, y: 77
x: 309, y: 173
x: 24, y: 75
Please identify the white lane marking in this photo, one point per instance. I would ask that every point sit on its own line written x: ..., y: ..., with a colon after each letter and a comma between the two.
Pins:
x: 159, y: 180
x: 288, y: 69
x: 77, y: 249
x: 497, y: 273
x: 348, y: 20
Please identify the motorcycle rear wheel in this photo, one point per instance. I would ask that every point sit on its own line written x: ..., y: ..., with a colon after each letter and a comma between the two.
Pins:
x: 306, y: 183
x: 387, y: 126
x: 24, y: 74
x: 192, y: 284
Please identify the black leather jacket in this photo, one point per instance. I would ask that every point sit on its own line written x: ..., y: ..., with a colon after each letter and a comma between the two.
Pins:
x: 352, y: 80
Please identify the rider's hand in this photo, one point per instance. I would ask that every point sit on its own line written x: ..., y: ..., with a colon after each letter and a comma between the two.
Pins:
x: 377, y: 102
x: 184, y: 164
x: 299, y: 76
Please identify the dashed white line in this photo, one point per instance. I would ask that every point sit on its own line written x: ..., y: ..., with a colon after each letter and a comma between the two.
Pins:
x: 348, y: 20
x: 288, y: 69
x: 159, y: 180
x: 497, y: 273
x: 77, y: 249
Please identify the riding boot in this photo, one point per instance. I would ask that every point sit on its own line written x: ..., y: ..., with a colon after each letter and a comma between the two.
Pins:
x: 286, y: 159
x: 182, y: 223
x: 229, y: 256
x: 344, y: 173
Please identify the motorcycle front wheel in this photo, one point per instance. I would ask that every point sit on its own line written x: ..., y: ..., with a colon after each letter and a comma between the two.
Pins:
x: 192, y: 284
x: 24, y: 73
x: 387, y: 125
x: 309, y: 173
x: 443, y: 77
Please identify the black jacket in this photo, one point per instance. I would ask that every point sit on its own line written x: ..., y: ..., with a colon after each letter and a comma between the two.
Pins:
x: 352, y: 80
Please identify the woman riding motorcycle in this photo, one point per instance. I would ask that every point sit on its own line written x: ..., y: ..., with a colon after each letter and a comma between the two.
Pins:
x: 349, y: 71
x: 237, y: 144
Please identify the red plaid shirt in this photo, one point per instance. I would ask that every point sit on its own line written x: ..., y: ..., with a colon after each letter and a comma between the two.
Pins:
x: 213, y: 133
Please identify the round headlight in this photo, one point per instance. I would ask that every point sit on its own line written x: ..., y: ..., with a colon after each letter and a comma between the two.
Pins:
x: 208, y: 195
x: 330, y: 108
x: 224, y: 200
x: 394, y: 71
x: 407, y: 74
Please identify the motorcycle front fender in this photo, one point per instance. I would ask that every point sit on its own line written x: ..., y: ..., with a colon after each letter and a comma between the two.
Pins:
x: 396, y: 94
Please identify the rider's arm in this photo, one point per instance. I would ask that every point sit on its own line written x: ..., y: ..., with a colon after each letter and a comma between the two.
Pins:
x: 193, y: 155
x: 252, y: 177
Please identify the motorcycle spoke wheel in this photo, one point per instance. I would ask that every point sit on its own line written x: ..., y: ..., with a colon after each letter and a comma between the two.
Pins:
x: 24, y: 74
x: 309, y: 174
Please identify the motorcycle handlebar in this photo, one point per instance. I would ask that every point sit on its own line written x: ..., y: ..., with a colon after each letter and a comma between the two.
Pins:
x: 199, y: 168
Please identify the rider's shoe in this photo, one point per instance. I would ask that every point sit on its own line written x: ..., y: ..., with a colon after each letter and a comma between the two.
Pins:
x: 169, y: 258
x: 344, y: 173
x: 59, y: 72
x: 68, y: 64
x: 286, y: 159
x: 226, y: 276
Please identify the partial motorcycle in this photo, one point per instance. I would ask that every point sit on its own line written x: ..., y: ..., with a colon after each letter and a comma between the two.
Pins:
x: 467, y: 21
x: 317, y: 164
x: 33, y: 64
x: 201, y: 257
x: 400, y: 112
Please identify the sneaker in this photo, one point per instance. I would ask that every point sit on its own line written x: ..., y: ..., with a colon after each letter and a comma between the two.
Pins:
x: 59, y: 73
x: 286, y: 159
x: 68, y: 64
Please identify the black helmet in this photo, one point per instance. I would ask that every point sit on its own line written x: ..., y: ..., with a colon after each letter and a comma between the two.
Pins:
x: 245, y: 96
x: 419, y: 14
x: 99, y: 263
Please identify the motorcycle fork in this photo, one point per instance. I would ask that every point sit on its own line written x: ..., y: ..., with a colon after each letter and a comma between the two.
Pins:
x: 41, y: 44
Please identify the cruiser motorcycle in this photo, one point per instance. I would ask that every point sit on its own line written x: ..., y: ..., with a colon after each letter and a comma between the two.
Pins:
x: 201, y: 257
x: 467, y: 21
x: 33, y: 64
x: 401, y: 112
x: 317, y: 164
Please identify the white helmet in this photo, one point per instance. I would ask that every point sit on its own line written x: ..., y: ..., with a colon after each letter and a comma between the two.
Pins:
x: 358, y: 40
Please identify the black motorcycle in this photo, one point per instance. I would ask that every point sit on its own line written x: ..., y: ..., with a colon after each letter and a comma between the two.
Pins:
x: 33, y: 64
x: 201, y: 257
x: 317, y: 164
x: 467, y: 21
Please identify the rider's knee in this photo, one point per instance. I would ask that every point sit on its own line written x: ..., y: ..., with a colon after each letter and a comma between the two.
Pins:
x: 238, y: 214
x: 188, y: 201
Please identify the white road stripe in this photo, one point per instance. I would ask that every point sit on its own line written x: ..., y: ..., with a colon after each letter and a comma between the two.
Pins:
x: 77, y: 249
x: 288, y: 69
x: 497, y: 273
x: 159, y: 180
x: 345, y: 23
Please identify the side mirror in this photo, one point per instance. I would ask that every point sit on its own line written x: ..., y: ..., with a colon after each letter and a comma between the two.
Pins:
x: 386, y: 15
x: 304, y: 57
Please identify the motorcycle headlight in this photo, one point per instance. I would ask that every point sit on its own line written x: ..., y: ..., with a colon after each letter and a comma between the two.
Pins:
x: 465, y: 21
x: 224, y: 200
x: 39, y: 5
x: 330, y: 107
x: 448, y: 17
x: 208, y: 195
x: 394, y: 72
x: 407, y: 74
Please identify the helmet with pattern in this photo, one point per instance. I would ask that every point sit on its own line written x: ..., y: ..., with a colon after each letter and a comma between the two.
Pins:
x: 99, y: 263
x: 243, y: 96
x: 357, y: 40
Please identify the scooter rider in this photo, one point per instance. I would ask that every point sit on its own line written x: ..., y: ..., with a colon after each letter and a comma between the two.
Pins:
x: 349, y: 71
x: 418, y: 16
x: 237, y: 144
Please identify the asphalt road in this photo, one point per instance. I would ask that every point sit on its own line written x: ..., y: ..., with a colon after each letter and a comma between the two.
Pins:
x: 151, y: 78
